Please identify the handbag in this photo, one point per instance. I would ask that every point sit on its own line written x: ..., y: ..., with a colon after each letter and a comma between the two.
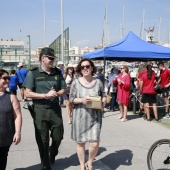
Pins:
x: 108, y: 99
x: 96, y: 102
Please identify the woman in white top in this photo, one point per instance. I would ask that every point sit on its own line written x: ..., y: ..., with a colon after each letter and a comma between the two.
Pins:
x: 68, y: 76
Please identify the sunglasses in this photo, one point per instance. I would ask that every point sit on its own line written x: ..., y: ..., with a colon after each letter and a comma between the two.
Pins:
x: 122, y: 68
x: 5, y: 78
x: 86, y: 66
x: 50, y: 58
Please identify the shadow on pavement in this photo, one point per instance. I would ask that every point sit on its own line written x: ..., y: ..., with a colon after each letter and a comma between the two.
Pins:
x: 131, y: 117
x: 34, y: 167
x: 101, y: 149
x: 63, y: 163
x: 114, y: 160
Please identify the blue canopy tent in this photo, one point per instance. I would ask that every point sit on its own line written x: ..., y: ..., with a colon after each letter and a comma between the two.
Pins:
x: 131, y: 47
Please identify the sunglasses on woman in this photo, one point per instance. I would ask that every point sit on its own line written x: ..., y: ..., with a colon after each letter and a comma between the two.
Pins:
x: 5, y: 78
x: 122, y: 68
x: 86, y: 66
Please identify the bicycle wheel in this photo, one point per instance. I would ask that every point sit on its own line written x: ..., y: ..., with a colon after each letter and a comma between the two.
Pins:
x: 158, y: 157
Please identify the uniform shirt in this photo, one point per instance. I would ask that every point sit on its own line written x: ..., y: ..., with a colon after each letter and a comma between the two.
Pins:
x: 165, y: 77
x: 43, y: 83
x: 148, y: 84
x: 62, y: 70
x: 21, y: 74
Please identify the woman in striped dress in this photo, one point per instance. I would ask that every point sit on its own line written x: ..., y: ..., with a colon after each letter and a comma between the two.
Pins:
x: 86, y: 123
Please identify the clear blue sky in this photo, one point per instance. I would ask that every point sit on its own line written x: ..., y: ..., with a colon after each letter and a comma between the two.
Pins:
x: 84, y: 18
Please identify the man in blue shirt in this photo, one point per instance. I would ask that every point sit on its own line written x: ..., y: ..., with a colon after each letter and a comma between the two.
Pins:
x: 21, y: 73
x: 13, y: 83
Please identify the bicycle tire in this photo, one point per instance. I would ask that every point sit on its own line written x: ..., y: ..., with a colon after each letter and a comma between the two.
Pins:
x: 152, y: 149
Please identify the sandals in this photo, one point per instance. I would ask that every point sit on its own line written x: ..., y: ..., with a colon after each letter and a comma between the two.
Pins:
x: 120, y: 117
x: 123, y: 120
x: 88, y: 168
x: 69, y: 122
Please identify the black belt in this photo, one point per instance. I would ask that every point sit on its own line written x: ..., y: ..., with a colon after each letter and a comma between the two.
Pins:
x: 47, y: 105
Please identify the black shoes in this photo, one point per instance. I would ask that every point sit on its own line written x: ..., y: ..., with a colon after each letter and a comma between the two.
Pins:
x: 157, y: 120
x: 52, y: 158
x: 144, y: 116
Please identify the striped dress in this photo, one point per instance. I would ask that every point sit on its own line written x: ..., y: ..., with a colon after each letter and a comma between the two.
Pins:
x: 86, y: 123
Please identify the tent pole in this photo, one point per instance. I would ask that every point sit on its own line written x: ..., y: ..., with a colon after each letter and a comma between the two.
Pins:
x: 104, y: 68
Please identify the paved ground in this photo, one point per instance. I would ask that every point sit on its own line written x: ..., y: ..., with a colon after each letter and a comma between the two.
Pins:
x: 124, y: 145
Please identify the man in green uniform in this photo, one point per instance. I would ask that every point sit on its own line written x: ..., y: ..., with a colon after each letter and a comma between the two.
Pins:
x: 45, y: 85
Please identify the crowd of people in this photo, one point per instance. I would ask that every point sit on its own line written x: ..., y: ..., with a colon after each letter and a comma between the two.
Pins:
x: 78, y: 87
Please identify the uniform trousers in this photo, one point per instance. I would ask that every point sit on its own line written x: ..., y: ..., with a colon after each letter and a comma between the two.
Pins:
x: 48, y: 122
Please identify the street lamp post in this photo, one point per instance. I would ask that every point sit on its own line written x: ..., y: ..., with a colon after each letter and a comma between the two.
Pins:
x: 62, y: 31
x: 45, y: 40
x: 29, y: 59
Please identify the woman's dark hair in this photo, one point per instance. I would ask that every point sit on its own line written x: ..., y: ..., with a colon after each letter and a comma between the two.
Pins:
x: 12, y: 71
x: 2, y: 72
x: 149, y: 71
x: 66, y: 72
x: 78, y: 69
x: 160, y: 64
x: 112, y: 70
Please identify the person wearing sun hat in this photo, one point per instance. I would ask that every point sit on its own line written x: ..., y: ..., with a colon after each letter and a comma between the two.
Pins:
x: 60, y: 65
x: 21, y: 74
x: 45, y: 85
x: 68, y: 76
